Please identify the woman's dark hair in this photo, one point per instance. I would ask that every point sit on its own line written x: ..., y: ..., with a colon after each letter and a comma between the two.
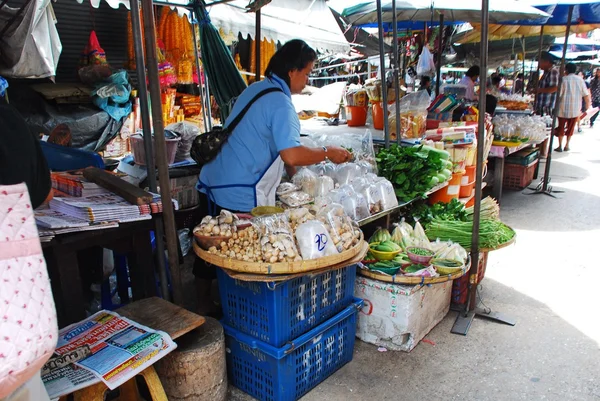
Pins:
x: 294, y: 55
x: 521, y: 76
x: 496, y: 80
x: 571, y: 68
x: 473, y: 71
x: 425, y: 80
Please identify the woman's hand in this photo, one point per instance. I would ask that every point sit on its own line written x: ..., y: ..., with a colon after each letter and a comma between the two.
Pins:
x: 338, y: 155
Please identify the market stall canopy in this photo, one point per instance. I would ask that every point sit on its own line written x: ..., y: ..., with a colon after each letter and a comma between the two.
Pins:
x: 367, y: 44
x: 500, y: 51
x: 426, y: 10
x: 501, y: 32
x: 578, y: 48
x: 283, y: 20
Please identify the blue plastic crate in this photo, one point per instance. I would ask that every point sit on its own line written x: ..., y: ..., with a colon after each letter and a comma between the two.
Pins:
x: 277, y: 312
x: 287, y: 373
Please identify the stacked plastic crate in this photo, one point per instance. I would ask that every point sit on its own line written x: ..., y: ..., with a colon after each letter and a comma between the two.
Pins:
x: 284, y: 338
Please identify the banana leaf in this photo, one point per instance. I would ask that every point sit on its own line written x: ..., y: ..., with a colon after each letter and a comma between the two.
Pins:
x: 224, y: 79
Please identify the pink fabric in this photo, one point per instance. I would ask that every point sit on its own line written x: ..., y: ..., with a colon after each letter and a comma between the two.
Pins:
x: 28, y: 327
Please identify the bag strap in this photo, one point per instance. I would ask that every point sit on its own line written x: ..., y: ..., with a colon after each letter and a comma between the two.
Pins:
x: 242, y: 113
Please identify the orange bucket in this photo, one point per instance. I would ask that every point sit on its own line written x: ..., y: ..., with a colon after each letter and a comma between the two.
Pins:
x: 378, y: 115
x: 449, y: 192
x: 356, y: 115
x: 467, y: 182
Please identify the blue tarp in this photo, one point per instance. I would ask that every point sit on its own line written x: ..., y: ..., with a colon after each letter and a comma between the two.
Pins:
x: 584, y: 12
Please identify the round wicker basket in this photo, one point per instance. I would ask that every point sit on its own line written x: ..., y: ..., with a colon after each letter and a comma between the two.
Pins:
x: 408, y: 280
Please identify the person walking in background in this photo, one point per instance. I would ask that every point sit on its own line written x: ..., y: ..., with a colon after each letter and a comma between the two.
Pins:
x: 595, y: 93
x: 583, y: 109
x: 425, y: 84
x: 547, y: 86
x: 572, y: 92
x: 519, y: 84
x: 469, y: 81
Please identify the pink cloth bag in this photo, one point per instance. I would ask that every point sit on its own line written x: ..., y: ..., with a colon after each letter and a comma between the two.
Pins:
x: 28, y: 327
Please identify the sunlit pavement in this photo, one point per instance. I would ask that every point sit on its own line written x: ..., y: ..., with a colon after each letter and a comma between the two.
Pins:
x: 549, y: 281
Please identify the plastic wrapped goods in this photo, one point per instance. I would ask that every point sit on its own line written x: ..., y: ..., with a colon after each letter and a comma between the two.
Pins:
x: 296, y: 199
x: 341, y: 229
x: 306, y: 180
x: 276, y: 241
x: 323, y: 186
x: 314, y: 240
x: 347, y: 172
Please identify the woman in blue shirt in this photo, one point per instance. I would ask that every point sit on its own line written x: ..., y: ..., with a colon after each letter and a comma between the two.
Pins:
x: 248, y: 169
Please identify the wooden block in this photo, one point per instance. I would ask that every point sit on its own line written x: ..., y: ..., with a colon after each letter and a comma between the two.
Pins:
x: 158, y: 314
x: 129, y: 192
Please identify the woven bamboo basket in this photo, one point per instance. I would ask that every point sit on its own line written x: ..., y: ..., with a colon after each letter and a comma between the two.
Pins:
x: 279, y: 268
x: 508, y: 243
x: 408, y: 280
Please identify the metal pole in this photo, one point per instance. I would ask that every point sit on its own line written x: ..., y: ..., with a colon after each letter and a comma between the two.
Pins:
x: 558, y: 101
x: 207, y: 100
x: 481, y: 134
x: 524, y: 57
x: 257, y: 43
x: 396, y: 72
x: 205, y: 118
x: 537, y: 73
x: 161, y: 151
x: 440, y: 49
x: 386, y: 131
x: 148, y: 147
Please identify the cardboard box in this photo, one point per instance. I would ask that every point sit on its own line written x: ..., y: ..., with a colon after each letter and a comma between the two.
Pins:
x: 396, y: 316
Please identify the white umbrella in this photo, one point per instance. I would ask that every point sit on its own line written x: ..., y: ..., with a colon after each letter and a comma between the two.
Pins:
x: 453, y: 10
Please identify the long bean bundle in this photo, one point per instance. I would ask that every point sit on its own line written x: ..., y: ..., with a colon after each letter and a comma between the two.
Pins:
x: 489, y: 209
x: 492, y: 233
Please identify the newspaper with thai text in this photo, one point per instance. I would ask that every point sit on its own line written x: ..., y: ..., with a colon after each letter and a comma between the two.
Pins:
x: 104, y: 347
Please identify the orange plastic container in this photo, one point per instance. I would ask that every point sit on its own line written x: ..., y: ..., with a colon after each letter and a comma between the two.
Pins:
x: 449, y: 192
x: 378, y: 115
x: 467, y: 182
x: 356, y: 116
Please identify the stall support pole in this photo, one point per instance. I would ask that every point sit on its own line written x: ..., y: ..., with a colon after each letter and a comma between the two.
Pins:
x: 386, y: 131
x: 257, y: 42
x: 440, y: 58
x: 396, y: 72
x: 205, y: 118
x: 140, y: 65
x: 543, y: 188
x: 161, y: 152
x: 537, y: 74
x: 464, y: 319
x: 524, y: 58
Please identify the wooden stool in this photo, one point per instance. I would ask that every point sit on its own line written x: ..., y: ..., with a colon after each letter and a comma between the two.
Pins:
x: 196, y: 370
x: 129, y: 390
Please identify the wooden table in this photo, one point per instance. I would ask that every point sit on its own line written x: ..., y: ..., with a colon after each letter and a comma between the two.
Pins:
x: 132, y: 239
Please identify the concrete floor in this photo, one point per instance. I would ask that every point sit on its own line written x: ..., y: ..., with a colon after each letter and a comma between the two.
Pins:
x: 548, y: 281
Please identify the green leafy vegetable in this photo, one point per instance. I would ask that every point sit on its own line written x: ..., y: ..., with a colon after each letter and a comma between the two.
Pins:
x: 492, y: 233
x: 409, y: 169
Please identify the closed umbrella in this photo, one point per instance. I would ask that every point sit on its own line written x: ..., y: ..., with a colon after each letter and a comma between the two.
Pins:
x: 224, y: 79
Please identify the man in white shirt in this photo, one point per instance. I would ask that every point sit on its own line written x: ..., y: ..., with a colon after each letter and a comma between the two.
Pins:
x: 572, y: 92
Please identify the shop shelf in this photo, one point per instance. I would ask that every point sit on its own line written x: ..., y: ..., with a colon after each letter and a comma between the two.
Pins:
x: 277, y: 312
x: 287, y: 373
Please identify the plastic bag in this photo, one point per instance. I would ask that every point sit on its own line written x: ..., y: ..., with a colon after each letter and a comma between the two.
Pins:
x: 413, y: 115
x: 314, y: 240
x: 341, y: 229
x: 386, y: 194
x: 187, y: 132
x: 308, y: 142
x: 295, y: 199
x: 429, y: 271
x: 355, y: 205
x: 276, y: 240
x: 306, y: 180
x: 185, y: 240
x: 372, y: 196
x: 286, y: 188
x: 347, y: 172
x: 426, y: 63
x: 323, y: 186
x: 324, y: 168
x: 298, y: 216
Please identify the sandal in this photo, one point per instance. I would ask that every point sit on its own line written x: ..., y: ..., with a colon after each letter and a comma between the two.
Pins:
x: 559, y: 149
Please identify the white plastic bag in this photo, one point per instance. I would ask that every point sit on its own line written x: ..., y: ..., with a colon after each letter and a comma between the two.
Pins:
x: 314, y: 240
x: 306, y: 180
x: 426, y: 64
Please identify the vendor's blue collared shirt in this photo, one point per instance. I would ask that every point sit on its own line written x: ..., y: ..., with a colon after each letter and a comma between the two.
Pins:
x: 270, y: 126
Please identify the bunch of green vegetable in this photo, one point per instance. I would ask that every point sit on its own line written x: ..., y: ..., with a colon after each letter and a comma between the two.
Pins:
x: 453, y: 210
x: 492, y: 233
x: 413, y: 170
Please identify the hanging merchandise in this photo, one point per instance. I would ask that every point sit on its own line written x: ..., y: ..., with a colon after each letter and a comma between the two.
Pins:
x: 426, y: 64
x: 93, y: 66
x: 176, y: 34
x: 130, y: 47
x: 267, y: 50
x: 166, y: 72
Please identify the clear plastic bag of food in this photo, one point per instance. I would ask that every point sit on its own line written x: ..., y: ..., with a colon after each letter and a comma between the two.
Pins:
x: 286, y: 188
x: 298, y: 216
x: 276, y: 240
x: 323, y: 186
x: 325, y: 168
x: 344, y: 233
x: 314, y: 240
x: 347, y: 172
x: 305, y: 179
x: 355, y: 205
x: 296, y: 199
x: 372, y: 196
x: 387, y: 194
